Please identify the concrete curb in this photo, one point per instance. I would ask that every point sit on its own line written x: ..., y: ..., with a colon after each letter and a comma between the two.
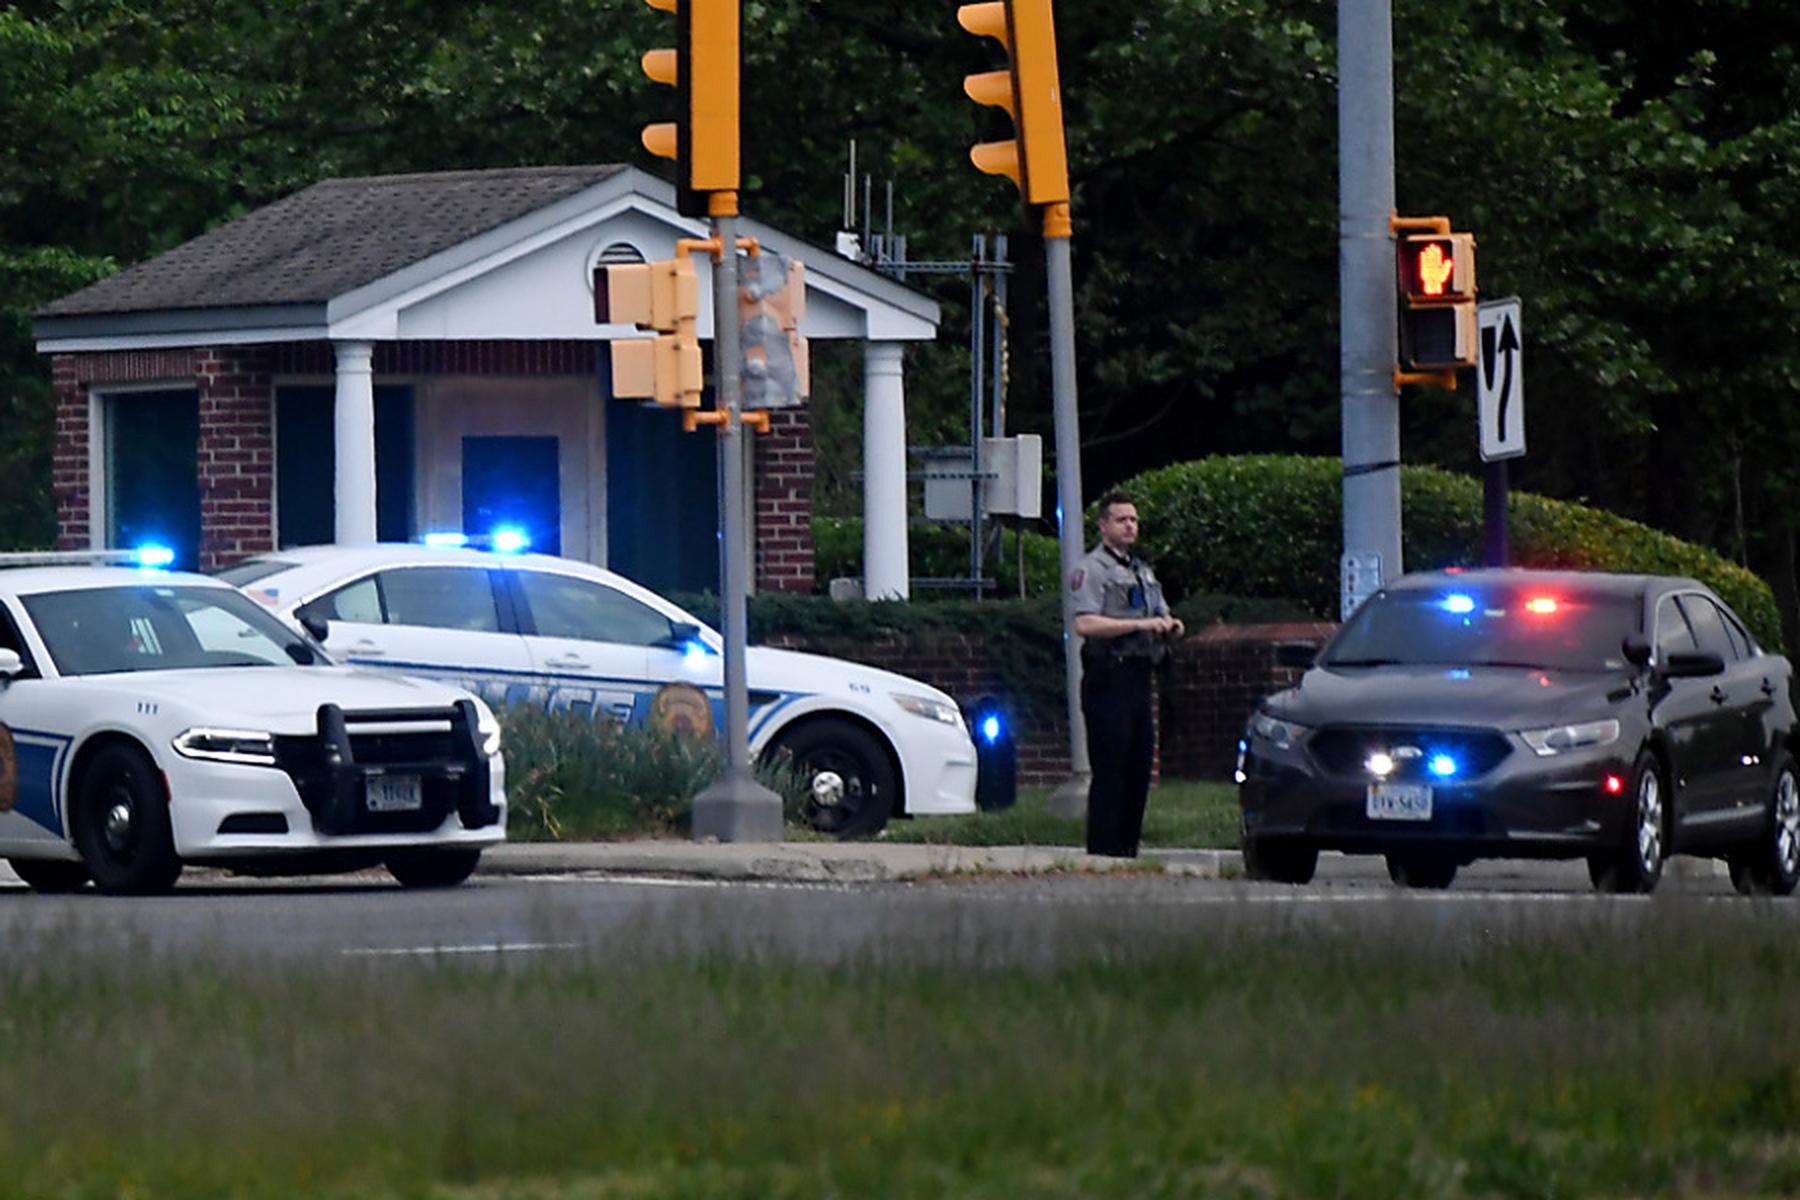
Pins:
x: 832, y: 862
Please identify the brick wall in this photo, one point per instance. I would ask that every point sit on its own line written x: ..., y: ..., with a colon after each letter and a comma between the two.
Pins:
x: 784, y: 483
x: 1213, y: 683
x: 236, y: 453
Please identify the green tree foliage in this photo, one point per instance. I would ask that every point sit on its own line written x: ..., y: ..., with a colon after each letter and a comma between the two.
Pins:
x: 1632, y: 179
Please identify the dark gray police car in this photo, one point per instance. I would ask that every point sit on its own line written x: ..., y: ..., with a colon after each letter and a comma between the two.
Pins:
x: 1529, y: 714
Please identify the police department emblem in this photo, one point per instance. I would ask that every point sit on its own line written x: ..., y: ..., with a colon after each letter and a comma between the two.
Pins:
x: 681, y: 708
x: 9, y: 771
x: 1075, y: 579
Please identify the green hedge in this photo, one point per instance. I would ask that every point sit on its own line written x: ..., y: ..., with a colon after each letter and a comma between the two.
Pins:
x: 937, y: 550
x: 1272, y: 525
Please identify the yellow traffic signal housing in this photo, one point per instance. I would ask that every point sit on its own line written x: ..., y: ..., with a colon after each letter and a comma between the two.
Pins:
x: 1437, y: 295
x: 705, y: 69
x: 1036, y: 158
x: 665, y: 297
x: 777, y: 364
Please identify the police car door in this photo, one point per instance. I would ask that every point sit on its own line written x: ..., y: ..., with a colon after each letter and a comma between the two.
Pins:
x: 588, y: 642
x: 32, y: 757
x: 443, y: 622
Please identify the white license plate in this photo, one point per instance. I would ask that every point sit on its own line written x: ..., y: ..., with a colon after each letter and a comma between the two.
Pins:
x: 395, y: 793
x: 1399, y: 802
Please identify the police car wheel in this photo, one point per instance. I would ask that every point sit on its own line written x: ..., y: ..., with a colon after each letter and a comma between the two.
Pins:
x: 847, y: 780
x: 50, y: 874
x: 121, y: 823
x: 424, y: 868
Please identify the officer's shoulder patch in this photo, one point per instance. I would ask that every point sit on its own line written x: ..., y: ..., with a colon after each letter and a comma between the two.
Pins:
x: 1076, y: 579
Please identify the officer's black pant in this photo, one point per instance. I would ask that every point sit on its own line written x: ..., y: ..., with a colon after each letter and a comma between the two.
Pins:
x: 1115, y: 700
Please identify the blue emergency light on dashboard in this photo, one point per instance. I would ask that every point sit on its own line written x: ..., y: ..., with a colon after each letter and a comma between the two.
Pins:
x: 510, y: 539
x: 153, y: 557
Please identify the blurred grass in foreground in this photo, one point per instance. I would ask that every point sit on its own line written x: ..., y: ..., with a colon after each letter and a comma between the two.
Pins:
x: 1181, y: 813
x: 1633, y: 1050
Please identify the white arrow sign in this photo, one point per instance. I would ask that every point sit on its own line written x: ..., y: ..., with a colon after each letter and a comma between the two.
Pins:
x: 1500, y: 380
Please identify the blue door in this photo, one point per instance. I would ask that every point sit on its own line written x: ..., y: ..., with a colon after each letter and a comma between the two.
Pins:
x: 515, y: 483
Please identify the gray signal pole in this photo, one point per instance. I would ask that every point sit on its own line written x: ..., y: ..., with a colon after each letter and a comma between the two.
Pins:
x: 1369, y: 346
x: 735, y: 808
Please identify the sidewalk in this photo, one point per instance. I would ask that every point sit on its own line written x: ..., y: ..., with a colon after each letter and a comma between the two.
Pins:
x: 834, y: 862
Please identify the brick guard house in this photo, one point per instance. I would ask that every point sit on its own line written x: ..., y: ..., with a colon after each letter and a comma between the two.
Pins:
x: 378, y: 358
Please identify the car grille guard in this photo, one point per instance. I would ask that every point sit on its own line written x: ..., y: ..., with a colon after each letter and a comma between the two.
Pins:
x: 331, y: 768
x: 1345, y: 750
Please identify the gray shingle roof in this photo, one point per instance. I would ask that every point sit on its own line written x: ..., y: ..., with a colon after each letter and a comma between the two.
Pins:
x: 329, y: 239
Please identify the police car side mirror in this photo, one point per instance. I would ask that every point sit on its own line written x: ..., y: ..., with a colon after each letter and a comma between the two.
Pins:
x: 1636, y: 648
x: 681, y: 633
x: 317, y: 626
x: 11, y: 665
x: 1296, y: 654
x: 1693, y: 666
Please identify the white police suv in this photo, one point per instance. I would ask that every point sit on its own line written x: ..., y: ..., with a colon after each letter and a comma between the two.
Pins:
x: 150, y: 719
x: 532, y: 628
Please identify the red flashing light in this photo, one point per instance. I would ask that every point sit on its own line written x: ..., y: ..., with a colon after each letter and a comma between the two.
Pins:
x: 1541, y: 605
x: 1614, y: 785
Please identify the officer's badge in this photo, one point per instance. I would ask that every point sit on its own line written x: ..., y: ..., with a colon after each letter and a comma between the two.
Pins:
x: 681, y: 708
x: 9, y: 771
x: 1075, y: 579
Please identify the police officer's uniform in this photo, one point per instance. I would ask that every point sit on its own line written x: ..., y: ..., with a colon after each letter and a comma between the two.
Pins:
x: 1115, y: 695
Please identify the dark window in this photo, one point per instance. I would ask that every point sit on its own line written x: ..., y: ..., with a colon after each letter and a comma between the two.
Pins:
x: 246, y: 573
x: 358, y: 602
x: 152, y: 472
x: 440, y: 598
x: 1709, y: 627
x: 1672, y: 633
x: 567, y: 607
x: 152, y: 628
x: 306, y: 457
x: 1526, y: 625
x: 513, y: 482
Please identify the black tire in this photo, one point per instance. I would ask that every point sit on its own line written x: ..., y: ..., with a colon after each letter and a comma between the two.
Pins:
x: 1422, y: 869
x: 50, y: 874
x: 121, y: 824
x: 427, y: 867
x: 1280, y: 860
x: 1636, y: 865
x: 850, y: 782
x: 1771, y: 866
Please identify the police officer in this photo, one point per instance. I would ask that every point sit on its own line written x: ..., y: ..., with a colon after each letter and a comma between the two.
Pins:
x: 1125, y: 626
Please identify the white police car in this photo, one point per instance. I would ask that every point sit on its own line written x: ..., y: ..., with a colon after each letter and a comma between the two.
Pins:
x: 150, y: 719
x: 533, y: 628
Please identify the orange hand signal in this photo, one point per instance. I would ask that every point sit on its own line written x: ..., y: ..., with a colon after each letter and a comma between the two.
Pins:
x: 1435, y: 269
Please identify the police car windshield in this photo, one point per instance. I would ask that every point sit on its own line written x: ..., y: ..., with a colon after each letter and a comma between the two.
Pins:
x: 152, y: 627
x: 1552, y: 628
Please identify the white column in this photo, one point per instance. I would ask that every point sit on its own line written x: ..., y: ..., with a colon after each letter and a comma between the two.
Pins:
x: 885, y: 569
x: 354, y: 428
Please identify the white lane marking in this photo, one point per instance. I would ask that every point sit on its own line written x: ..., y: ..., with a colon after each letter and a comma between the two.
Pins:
x: 470, y: 948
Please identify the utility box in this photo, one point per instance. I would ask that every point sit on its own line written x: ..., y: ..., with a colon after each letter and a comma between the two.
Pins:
x: 1011, y: 475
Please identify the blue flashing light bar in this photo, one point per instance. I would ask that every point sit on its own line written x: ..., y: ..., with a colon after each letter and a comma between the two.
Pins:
x: 1456, y: 602
x: 990, y: 728
x: 509, y: 539
x: 1442, y: 765
x: 153, y: 557
x: 447, y: 537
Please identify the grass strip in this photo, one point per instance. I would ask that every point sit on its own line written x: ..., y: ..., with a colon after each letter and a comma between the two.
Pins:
x: 1649, y: 1057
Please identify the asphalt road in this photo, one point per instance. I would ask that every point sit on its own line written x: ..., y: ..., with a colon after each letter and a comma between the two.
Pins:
x: 965, y: 921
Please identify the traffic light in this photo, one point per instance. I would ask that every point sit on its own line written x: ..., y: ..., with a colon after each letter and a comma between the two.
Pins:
x: 1035, y: 158
x: 663, y: 296
x: 1437, y: 296
x: 704, y: 68
x: 776, y: 369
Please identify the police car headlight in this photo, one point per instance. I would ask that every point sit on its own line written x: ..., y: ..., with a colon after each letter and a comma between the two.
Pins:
x: 246, y: 747
x: 487, y: 732
x: 1559, y: 738
x: 1283, y: 735
x: 931, y: 710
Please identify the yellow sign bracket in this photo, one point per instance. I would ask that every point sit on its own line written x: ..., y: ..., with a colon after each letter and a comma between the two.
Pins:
x: 1400, y: 224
